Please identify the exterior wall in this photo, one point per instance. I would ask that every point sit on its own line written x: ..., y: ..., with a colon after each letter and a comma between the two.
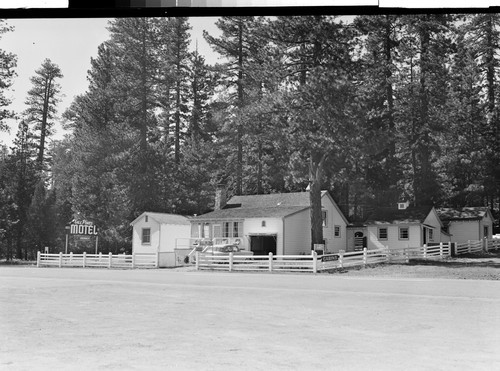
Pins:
x: 393, y: 241
x: 462, y: 231
x: 433, y: 220
x: 137, y: 246
x: 297, y: 234
x: 169, y: 233
x: 334, y: 244
x: 486, y: 221
x: 273, y: 226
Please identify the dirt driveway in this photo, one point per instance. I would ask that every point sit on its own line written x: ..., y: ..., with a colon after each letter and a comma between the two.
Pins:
x: 97, y: 319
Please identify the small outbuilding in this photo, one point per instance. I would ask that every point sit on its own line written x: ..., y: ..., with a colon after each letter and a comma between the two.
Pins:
x: 467, y: 223
x: 159, y: 233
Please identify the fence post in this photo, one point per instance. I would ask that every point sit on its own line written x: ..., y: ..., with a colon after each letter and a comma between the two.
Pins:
x: 365, y: 257
x: 197, y: 260
x: 387, y: 254
x: 425, y: 251
x: 38, y: 259
x: 315, y: 261
x: 341, y: 258
x: 441, y: 250
x: 270, y: 262
x: 110, y: 259
x: 71, y: 257
x: 133, y: 261
x: 231, y: 261
x: 84, y: 258
x: 486, y: 244
x: 469, y: 248
x: 157, y: 262
x: 60, y: 259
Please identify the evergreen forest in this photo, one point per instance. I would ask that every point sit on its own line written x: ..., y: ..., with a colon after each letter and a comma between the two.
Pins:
x: 372, y: 108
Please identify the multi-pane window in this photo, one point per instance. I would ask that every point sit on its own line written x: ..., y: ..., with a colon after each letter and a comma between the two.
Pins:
x: 382, y: 233
x: 231, y: 229
x: 336, y: 230
x: 431, y: 235
x: 146, y: 235
x: 404, y: 233
x: 486, y: 231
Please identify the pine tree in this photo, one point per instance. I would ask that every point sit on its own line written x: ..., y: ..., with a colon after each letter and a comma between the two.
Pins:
x: 8, y: 62
x: 42, y: 105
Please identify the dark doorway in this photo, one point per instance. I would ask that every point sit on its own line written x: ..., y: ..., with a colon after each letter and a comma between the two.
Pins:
x: 263, y: 245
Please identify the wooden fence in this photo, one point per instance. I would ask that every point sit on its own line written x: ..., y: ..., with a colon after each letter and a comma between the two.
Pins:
x: 290, y: 263
x: 97, y: 260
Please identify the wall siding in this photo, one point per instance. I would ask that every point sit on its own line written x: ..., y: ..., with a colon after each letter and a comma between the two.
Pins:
x: 170, y: 233
x: 298, y: 233
x: 393, y: 241
x: 462, y: 231
x: 433, y: 220
x: 334, y: 244
x: 137, y: 246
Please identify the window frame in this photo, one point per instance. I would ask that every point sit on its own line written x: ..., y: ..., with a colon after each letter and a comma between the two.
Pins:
x: 386, y: 233
x: 324, y: 218
x: 401, y: 229
x: 337, y: 228
x: 143, y: 242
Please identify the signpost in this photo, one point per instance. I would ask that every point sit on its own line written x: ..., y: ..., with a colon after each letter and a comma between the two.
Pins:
x: 82, y: 230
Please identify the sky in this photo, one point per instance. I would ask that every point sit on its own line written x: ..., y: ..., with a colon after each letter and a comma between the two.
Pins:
x: 70, y: 43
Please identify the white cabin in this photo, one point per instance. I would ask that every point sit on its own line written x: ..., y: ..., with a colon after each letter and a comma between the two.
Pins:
x: 157, y: 233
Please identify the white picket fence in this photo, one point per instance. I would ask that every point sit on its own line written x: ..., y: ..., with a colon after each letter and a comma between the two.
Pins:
x: 404, y: 254
x: 98, y: 260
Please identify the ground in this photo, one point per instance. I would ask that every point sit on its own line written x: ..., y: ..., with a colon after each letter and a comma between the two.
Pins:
x: 415, y: 317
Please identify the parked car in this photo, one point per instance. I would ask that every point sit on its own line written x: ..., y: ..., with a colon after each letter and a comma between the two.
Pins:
x: 225, y: 249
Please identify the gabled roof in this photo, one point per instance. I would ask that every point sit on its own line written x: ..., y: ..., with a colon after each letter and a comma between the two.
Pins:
x: 464, y: 213
x: 255, y: 212
x: 277, y: 205
x: 391, y: 215
x: 163, y: 218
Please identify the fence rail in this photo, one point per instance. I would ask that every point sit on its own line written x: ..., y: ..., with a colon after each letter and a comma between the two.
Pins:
x: 97, y: 260
x: 469, y: 247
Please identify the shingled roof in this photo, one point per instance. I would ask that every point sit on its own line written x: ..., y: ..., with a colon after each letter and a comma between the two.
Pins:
x: 163, y: 218
x: 395, y: 216
x: 277, y: 205
x: 464, y: 213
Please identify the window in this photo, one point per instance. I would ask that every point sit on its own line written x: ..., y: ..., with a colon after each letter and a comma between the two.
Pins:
x: 486, y: 231
x: 431, y: 234
x: 231, y: 229
x: 382, y: 233
x: 336, y: 232
x: 146, y: 219
x: 324, y: 216
x: 404, y: 233
x: 146, y: 236
x: 263, y: 223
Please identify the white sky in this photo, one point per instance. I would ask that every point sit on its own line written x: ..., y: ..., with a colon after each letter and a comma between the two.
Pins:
x: 70, y: 43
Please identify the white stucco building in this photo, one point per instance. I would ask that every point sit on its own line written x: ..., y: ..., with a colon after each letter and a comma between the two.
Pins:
x: 157, y: 233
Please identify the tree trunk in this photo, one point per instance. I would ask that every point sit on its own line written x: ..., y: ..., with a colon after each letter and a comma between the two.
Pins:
x: 316, y: 163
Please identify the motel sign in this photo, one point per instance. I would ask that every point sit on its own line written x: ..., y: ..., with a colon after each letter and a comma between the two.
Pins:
x: 83, y: 227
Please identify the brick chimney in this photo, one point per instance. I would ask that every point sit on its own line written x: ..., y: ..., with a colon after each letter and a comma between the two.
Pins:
x: 220, y: 196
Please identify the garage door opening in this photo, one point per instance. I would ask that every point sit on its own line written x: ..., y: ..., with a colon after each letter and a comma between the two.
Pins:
x: 263, y: 245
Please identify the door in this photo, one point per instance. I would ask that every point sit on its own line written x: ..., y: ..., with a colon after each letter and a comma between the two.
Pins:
x: 263, y: 245
x: 359, y: 241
